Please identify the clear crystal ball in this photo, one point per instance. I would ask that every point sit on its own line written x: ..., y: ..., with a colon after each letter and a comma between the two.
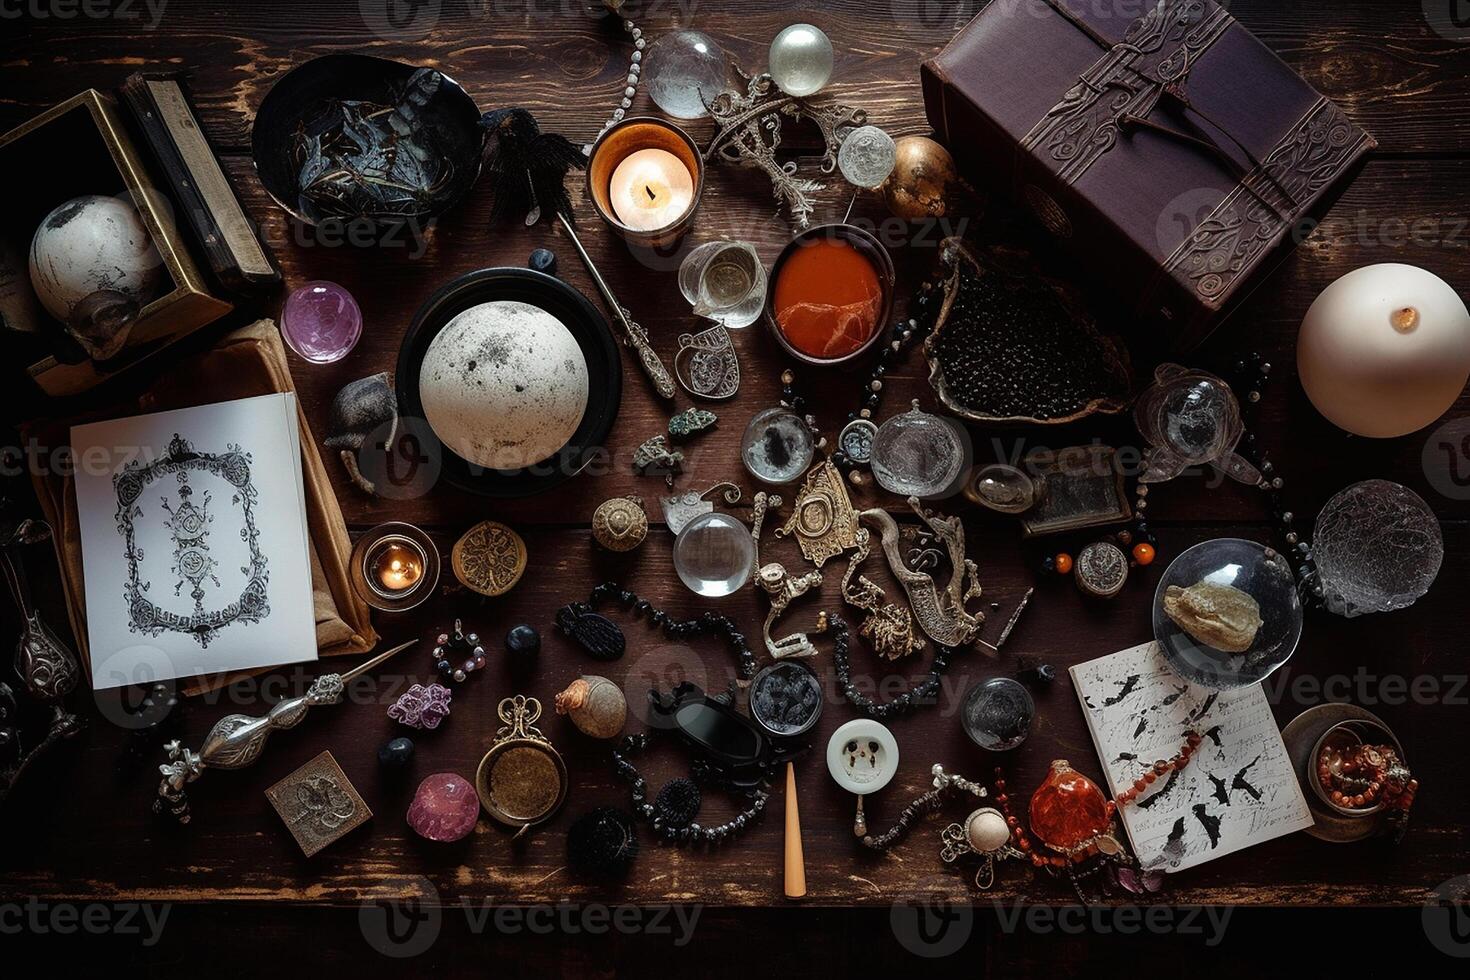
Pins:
x: 684, y: 71
x: 1378, y: 547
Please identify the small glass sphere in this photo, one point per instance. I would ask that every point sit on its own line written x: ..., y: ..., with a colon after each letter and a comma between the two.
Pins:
x: 321, y: 321
x: 801, y: 60
x: 686, y: 70
x: 997, y: 714
x: 714, y: 555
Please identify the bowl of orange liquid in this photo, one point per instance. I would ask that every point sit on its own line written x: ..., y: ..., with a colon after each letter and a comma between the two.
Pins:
x: 831, y: 293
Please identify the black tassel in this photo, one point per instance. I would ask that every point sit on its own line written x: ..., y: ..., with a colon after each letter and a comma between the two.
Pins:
x: 528, y: 168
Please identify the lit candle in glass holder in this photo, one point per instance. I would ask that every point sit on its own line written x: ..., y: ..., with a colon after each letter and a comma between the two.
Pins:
x: 395, y: 566
x: 645, y: 177
x: 651, y: 189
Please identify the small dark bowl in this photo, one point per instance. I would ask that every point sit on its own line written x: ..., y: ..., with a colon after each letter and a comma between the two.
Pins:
x: 808, y: 677
x: 882, y: 264
x: 604, y: 374
x: 451, y: 116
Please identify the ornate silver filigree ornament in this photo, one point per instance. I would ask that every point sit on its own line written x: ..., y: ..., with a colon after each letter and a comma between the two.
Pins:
x: 782, y: 588
x: 749, y: 134
x: 985, y: 835
x: 681, y: 508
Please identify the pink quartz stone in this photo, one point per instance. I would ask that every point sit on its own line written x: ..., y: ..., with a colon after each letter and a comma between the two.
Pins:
x: 444, y: 808
x: 321, y: 321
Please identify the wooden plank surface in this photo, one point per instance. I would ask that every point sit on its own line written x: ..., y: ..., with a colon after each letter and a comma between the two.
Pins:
x: 85, y: 825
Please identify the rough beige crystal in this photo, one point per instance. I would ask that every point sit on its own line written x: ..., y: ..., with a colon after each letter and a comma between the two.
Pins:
x: 1220, y: 616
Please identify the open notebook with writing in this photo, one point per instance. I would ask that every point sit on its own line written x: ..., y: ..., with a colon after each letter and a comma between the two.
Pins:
x: 1239, y: 788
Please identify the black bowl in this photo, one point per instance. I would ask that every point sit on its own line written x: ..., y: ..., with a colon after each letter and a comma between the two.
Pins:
x: 604, y: 374
x: 451, y: 118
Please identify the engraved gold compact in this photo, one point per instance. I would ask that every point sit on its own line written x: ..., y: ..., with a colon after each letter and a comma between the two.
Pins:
x: 522, y: 780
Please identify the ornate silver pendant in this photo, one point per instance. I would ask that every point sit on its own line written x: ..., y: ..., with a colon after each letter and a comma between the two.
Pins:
x: 706, y: 365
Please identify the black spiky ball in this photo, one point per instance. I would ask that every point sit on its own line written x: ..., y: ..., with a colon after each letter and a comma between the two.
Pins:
x: 677, y: 804
x: 602, y: 842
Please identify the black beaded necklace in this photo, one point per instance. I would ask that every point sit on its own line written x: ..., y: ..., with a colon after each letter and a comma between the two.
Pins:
x: 674, y: 629
x: 923, y: 692
x: 691, y: 833
x: 1248, y: 376
x: 855, y: 441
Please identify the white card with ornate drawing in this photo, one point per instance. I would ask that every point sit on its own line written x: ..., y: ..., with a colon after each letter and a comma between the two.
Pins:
x: 195, y: 553
x: 1239, y: 788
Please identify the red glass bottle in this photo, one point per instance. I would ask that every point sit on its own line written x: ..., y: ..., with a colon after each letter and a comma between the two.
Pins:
x: 1067, y: 809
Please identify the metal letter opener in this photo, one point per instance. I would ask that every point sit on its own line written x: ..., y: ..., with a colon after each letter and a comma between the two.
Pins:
x: 236, y: 741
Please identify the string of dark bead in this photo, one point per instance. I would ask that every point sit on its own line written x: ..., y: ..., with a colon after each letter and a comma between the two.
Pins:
x: 924, y: 692
x: 679, y: 836
x: 917, y: 809
x: 1247, y: 377
x: 905, y: 333
x: 675, y: 629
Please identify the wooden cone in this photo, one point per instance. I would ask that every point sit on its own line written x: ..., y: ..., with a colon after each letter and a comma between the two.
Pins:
x: 795, y: 863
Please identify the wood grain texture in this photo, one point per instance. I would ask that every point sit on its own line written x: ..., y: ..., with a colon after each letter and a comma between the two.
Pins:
x: 94, y: 840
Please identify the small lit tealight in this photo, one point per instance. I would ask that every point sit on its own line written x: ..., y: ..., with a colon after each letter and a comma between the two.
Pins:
x: 651, y: 189
x: 397, y: 567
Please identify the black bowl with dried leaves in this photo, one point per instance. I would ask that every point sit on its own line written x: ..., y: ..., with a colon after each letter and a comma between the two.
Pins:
x: 352, y: 140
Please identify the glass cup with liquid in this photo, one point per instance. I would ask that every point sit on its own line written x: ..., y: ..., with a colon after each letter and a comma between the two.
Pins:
x: 724, y: 281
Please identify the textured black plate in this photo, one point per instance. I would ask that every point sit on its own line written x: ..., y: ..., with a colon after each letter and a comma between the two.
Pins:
x: 451, y: 116
x: 604, y: 374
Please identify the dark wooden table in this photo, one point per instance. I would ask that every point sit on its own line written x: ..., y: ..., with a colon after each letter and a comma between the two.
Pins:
x: 81, y: 830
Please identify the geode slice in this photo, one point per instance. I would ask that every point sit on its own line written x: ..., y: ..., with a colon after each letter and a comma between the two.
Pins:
x: 1219, y: 616
x: 1013, y: 346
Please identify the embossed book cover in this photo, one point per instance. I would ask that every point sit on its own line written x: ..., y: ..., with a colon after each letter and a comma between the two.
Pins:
x: 1239, y: 789
x: 194, y: 541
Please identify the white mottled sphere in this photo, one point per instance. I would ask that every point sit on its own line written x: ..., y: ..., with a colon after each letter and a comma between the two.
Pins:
x: 88, y: 244
x: 1385, y: 350
x: 504, y: 384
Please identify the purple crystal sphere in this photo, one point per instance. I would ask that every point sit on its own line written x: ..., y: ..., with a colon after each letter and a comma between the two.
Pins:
x: 444, y: 808
x: 321, y: 321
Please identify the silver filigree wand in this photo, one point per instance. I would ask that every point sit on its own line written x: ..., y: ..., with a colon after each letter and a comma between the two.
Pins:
x: 237, y: 741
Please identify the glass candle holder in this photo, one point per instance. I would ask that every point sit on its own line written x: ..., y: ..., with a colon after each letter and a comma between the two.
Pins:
x: 724, y: 281
x: 394, y: 567
x: 645, y: 177
x: 321, y: 321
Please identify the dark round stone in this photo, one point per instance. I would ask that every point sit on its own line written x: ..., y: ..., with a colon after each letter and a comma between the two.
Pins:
x: 523, y: 641
x: 543, y: 260
x: 395, y: 753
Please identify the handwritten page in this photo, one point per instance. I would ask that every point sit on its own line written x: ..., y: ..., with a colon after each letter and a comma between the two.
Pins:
x: 1239, y: 788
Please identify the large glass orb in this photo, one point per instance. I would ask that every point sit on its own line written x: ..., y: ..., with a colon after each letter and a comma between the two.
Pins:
x: 684, y: 71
